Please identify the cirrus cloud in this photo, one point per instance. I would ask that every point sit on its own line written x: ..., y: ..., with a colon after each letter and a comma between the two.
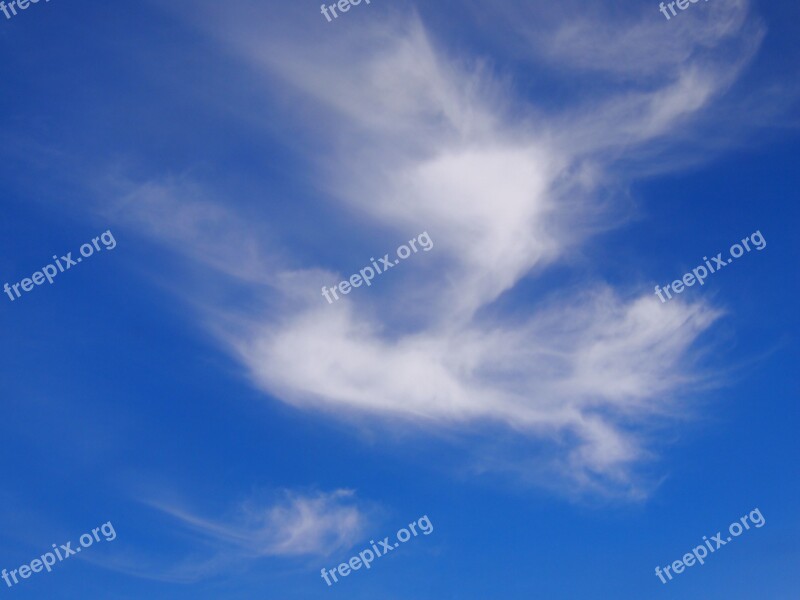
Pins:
x: 507, y: 189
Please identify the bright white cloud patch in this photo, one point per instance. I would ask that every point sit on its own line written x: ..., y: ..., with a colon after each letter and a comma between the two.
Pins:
x: 427, y: 142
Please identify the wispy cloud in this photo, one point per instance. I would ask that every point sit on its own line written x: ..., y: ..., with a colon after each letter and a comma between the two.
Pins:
x: 506, y: 189
x: 295, y: 525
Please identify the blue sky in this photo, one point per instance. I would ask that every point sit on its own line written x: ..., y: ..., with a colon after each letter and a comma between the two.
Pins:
x: 520, y: 384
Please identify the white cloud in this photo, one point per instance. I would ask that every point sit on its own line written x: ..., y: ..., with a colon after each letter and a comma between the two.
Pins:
x: 295, y: 525
x: 638, y: 44
x: 298, y: 525
x: 427, y: 142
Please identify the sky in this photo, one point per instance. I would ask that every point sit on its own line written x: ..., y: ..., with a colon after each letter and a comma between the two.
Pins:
x: 514, y: 385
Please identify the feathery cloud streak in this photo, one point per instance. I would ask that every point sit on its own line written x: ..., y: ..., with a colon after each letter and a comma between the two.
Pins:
x: 427, y: 141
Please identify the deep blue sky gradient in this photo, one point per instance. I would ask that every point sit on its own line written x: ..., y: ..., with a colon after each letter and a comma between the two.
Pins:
x: 112, y: 393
